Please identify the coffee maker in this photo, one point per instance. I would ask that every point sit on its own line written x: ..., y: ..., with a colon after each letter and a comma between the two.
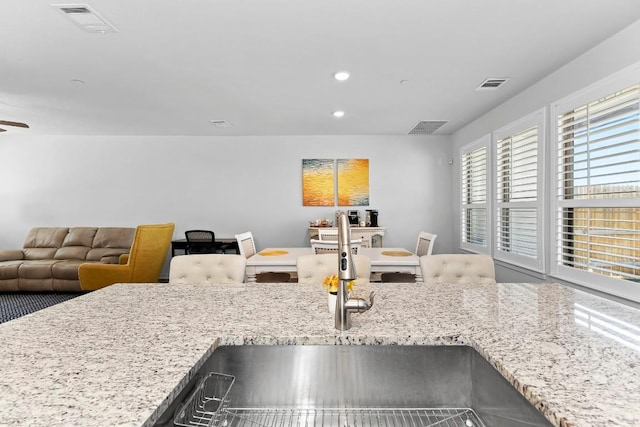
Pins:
x: 354, y: 217
x: 372, y: 218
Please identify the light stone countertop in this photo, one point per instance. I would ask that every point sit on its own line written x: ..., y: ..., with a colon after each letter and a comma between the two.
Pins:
x: 111, y: 357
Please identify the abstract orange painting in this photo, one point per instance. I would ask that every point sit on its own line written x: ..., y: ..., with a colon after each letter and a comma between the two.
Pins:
x: 318, y: 182
x: 353, y: 182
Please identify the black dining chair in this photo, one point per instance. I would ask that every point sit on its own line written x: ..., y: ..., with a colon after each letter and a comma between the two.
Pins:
x: 201, y: 242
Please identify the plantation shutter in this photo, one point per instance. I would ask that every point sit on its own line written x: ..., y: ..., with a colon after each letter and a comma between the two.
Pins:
x: 474, y: 199
x: 598, y: 186
x: 517, y: 197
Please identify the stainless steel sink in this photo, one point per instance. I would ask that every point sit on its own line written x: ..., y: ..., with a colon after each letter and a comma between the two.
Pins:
x: 365, y: 385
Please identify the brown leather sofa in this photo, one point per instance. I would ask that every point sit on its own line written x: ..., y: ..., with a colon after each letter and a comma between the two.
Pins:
x: 51, y: 256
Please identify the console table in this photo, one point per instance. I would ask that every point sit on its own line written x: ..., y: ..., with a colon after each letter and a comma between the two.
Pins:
x: 371, y: 236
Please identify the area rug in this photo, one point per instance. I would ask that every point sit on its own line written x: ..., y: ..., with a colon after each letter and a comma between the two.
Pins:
x: 16, y: 304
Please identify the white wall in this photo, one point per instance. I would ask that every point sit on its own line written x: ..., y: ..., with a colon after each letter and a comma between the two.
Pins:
x: 612, y: 55
x: 227, y: 184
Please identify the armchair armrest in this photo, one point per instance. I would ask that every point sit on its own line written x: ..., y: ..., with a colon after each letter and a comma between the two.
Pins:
x: 112, y: 257
x: 95, y: 275
x: 11, y: 255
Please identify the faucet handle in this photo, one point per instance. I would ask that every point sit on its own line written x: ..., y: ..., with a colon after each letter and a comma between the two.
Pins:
x: 371, y: 296
x: 369, y: 304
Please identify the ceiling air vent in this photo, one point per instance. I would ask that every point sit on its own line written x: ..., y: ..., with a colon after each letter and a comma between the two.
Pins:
x: 86, y: 18
x: 427, y: 127
x: 492, y: 83
x: 221, y: 123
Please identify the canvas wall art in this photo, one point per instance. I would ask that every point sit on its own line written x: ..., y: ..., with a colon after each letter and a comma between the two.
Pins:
x: 318, y: 184
x: 353, y: 182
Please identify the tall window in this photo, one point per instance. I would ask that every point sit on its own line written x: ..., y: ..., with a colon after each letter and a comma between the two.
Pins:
x: 519, y: 230
x: 598, y: 188
x: 474, y: 196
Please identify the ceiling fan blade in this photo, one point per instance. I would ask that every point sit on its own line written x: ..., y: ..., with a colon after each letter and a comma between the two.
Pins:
x: 2, y: 130
x: 18, y: 124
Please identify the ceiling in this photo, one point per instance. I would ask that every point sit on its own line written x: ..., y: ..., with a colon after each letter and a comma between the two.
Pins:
x: 266, y: 66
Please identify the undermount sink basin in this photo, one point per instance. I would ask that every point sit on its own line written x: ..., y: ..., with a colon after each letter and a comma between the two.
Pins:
x: 363, y: 385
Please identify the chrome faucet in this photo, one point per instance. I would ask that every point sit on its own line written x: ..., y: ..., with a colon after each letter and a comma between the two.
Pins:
x: 347, y: 272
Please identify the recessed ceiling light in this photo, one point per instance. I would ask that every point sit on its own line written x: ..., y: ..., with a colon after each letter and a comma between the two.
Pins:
x: 338, y: 114
x: 341, y: 76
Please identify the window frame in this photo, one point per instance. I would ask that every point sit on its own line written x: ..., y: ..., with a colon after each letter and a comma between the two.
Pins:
x: 605, y: 87
x: 483, y: 142
x: 536, y: 119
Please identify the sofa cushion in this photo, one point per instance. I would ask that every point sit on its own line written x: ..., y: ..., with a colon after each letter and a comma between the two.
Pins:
x: 11, y: 255
x: 66, y: 269
x: 80, y: 236
x: 77, y: 243
x: 36, y: 269
x: 9, y: 269
x: 64, y: 285
x: 110, y: 241
x: 43, y: 242
x: 9, y: 285
x: 33, y: 285
x: 72, y: 252
x: 39, y: 253
x: 113, y: 237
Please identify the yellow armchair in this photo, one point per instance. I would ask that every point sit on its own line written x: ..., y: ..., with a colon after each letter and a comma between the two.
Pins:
x: 143, y: 265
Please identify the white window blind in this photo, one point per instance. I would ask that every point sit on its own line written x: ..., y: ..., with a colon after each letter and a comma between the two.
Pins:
x: 598, y: 186
x: 518, y: 231
x: 474, y: 197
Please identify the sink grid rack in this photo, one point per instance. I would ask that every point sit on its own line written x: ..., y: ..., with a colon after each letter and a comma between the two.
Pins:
x: 208, y: 406
x: 342, y: 417
x: 348, y: 417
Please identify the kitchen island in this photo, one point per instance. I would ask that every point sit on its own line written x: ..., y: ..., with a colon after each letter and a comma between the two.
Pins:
x: 117, y: 355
